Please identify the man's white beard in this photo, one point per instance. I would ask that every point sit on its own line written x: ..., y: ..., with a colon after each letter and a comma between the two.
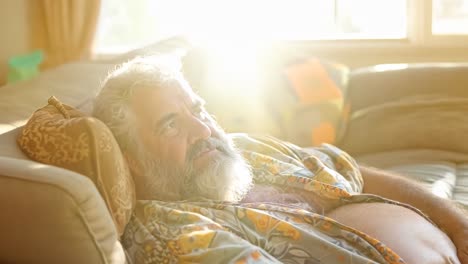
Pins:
x: 227, y: 178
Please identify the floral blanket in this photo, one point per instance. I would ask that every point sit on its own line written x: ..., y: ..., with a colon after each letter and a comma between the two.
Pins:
x: 262, y: 232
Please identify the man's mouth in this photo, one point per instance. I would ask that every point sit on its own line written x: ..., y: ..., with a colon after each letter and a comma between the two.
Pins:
x: 206, y: 150
x: 205, y: 157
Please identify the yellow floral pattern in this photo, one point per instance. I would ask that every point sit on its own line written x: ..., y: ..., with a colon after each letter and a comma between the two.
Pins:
x: 205, y: 231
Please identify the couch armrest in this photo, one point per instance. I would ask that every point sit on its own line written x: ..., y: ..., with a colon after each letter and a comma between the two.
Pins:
x: 52, y: 215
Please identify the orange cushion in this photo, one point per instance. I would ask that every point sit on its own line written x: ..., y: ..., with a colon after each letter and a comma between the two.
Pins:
x: 312, y: 107
x: 62, y: 136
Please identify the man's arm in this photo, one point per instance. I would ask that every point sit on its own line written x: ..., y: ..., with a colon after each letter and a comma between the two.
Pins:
x: 446, y: 214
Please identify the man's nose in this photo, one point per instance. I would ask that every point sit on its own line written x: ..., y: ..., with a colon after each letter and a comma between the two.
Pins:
x: 198, y: 130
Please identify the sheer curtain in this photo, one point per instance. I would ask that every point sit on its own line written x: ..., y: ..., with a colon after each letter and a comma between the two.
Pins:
x: 63, y: 29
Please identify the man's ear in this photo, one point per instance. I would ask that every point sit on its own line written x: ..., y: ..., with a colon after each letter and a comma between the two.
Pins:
x: 133, y: 165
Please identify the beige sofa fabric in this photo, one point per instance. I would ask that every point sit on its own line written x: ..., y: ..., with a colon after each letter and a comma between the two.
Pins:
x: 444, y: 173
x: 8, y: 146
x: 460, y: 192
x: 417, y: 122
x: 75, y: 84
x: 52, y: 215
x: 412, y: 119
x: 385, y: 83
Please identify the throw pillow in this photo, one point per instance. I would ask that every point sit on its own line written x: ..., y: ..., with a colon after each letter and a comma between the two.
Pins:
x: 62, y: 136
x: 311, y: 106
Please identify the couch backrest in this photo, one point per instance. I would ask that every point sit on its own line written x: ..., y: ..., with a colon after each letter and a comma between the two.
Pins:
x: 408, y: 106
x: 380, y: 84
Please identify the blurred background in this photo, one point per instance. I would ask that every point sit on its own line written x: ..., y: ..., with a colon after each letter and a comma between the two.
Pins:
x: 252, y: 60
x: 354, y: 32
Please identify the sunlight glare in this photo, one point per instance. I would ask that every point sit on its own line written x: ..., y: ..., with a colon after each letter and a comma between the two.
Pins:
x: 233, y: 62
x: 390, y: 67
x: 259, y: 20
x: 264, y: 20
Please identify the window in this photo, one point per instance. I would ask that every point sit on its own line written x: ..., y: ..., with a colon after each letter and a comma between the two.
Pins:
x: 125, y: 25
x: 450, y: 17
x: 372, y: 19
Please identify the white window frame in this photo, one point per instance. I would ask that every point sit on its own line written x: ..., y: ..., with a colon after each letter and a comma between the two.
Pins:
x: 422, y: 10
x: 419, y: 34
x: 419, y: 40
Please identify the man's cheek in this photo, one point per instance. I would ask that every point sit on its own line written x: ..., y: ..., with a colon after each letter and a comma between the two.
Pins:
x: 174, y: 154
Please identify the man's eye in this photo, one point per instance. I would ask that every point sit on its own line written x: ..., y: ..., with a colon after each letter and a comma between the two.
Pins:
x: 170, y: 129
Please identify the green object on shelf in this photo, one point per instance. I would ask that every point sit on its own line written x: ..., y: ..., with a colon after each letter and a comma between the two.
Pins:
x: 25, y: 66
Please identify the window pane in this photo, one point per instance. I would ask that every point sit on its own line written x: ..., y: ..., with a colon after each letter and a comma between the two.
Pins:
x: 124, y: 25
x: 450, y: 17
x: 127, y: 24
x: 376, y: 19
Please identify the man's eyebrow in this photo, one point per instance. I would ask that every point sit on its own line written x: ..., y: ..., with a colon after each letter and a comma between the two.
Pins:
x: 164, y: 120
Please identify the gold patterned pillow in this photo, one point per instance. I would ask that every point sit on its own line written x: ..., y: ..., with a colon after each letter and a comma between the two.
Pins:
x: 62, y: 136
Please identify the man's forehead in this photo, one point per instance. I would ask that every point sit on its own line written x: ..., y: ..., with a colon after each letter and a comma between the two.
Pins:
x: 188, y: 94
x: 171, y: 90
x: 158, y: 102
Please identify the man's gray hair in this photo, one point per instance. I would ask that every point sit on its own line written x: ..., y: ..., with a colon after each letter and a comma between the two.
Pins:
x: 112, y: 105
x: 228, y: 178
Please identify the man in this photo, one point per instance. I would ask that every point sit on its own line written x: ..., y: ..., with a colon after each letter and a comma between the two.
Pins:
x: 205, y: 196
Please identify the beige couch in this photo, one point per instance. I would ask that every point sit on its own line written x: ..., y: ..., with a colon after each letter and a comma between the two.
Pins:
x: 412, y: 119
x: 52, y: 215
x: 49, y: 214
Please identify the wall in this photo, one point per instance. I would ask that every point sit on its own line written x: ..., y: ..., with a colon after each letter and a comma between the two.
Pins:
x: 13, y: 32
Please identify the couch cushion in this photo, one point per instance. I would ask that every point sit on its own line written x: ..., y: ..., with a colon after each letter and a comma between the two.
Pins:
x: 62, y: 136
x: 412, y: 123
x: 317, y: 115
x: 384, y: 83
x: 444, y: 173
x: 460, y: 192
x: 306, y: 100
x: 53, y: 215
x: 76, y: 84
